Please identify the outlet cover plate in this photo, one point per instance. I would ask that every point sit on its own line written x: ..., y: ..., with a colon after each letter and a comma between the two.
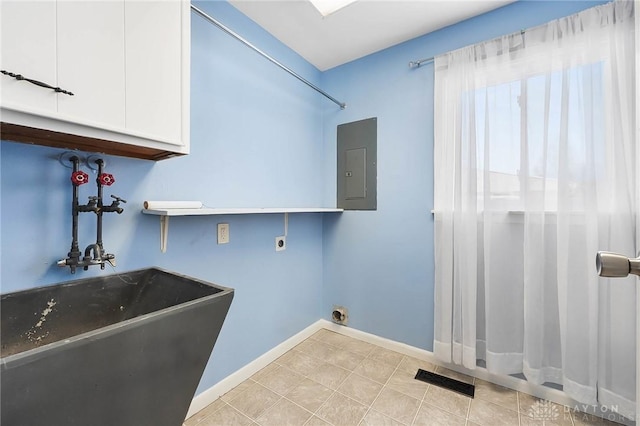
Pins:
x: 281, y: 243
x: 223, y: 233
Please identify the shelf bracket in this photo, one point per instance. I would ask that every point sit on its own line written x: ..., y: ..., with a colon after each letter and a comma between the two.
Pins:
x: 164, y: 232
x: 286, y: 223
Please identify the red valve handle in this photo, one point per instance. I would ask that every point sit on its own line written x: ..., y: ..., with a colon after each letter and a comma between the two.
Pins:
x: 106, y: 179
x: 79, y: 178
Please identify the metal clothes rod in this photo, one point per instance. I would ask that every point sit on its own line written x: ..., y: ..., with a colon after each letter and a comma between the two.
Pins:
x: 416, y: 64
x: 342, y: 105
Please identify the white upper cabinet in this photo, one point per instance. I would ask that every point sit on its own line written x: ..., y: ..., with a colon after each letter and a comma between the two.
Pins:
x: 125, y: 61
x: 153, y: 102
x: 28, y: 26
x: 91, y: 61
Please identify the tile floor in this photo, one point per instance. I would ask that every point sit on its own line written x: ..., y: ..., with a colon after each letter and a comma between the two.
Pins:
x: 332, y: 379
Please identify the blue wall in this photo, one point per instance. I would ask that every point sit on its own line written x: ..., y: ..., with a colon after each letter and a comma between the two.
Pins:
x: 261, y: 138
x: 380, y: 264
x: 256, y: 142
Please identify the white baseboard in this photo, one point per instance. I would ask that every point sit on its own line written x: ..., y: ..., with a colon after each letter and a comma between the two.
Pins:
x: 234, y: 379
x: 225, y: 385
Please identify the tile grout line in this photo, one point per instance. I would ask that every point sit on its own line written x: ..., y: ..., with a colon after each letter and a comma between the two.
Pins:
x: 284, y: 397
x: 239, y: 412
x: 296, y: 404
x: 368, y: 356
x: 323, y: 404
x: 263, y: 411
x: 468, y: 409
x: 383, y: 387
x: 466, y: 417
x: 421, y: 403
x: 224, y: 403
x: 473, y: 382
x: 313, y: 413
x: 334, y: 391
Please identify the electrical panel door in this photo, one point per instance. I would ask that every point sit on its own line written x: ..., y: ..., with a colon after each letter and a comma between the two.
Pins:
x: 357, y: 149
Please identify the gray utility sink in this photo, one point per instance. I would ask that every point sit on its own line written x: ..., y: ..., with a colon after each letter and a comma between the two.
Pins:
x: 122, y: 350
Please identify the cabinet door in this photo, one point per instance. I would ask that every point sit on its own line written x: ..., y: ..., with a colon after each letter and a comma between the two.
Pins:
x: 91, y: 61
x: 28, y: 31
x: 153, y: 45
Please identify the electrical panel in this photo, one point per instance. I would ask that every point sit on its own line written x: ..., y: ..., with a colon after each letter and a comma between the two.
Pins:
x: 357, y: 175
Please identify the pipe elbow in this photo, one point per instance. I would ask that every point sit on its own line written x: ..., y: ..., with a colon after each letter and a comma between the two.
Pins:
x: 97, y: 253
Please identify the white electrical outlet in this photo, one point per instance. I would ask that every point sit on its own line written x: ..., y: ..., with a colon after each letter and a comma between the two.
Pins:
x: 281, y: 243
x: 223, y: 233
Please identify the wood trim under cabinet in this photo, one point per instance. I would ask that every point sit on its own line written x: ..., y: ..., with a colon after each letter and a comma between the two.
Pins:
x: 17, y: 133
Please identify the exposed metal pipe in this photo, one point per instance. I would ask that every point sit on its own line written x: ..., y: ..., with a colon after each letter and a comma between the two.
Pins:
x: 74, y: 253
x: 233, y: 34
x: 100, y: 164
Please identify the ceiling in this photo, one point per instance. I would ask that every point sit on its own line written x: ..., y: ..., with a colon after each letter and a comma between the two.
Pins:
x: 361, y: 28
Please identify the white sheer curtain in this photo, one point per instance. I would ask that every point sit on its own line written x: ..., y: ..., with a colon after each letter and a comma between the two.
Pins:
x: 534, y: 173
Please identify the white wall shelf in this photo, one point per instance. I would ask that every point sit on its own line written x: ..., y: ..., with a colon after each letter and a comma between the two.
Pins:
x: 166, y: 213
x: 210, y: 211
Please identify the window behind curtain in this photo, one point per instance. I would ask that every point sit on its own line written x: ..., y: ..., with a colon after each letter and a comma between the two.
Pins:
x: 522, y: 122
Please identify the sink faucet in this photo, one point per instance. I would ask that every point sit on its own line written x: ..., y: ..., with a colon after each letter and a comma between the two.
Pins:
x: 91, y: 206
x: 95, y: 205
x: 99, y: 257
x: 114, y: 206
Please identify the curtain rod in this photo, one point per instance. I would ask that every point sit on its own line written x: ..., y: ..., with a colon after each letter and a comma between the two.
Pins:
x: 416, y: 64
x: 342, y: 105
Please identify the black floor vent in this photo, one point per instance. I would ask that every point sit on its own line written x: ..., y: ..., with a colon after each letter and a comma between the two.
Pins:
x: 446, y: 382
